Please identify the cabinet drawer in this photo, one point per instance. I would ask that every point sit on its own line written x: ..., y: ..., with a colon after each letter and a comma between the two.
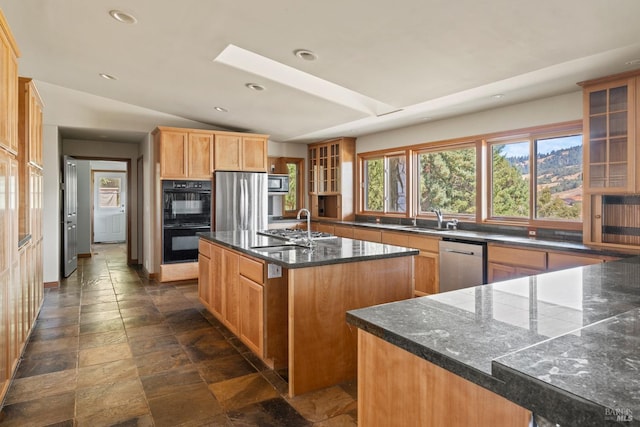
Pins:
x: 518, y: 256
x: 428, y: 244
x: 204, y: 248
x: 252, y: 269
x: 398, y: 239
x: 558, y: 261
x: 368, y: 235
x: 343, y: 231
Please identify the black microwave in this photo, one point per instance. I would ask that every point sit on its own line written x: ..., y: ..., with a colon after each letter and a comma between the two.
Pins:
x: 278, y: 184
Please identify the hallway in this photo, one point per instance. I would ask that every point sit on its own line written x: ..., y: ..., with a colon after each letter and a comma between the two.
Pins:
x: 112, y: 348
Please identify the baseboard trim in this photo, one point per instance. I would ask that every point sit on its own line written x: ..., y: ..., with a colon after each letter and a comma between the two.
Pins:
x: 51, y: 284
x: 84, y: 255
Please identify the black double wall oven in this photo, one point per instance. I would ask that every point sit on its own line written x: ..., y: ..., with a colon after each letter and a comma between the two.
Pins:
x: 186, y: 211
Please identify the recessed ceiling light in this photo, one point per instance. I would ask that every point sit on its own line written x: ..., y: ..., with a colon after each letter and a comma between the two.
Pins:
x: 108, y: 76
x: 124, y: 17
x: 305, y: 54
x: 633, y: 62
x: 255, y: 86
x: 221, y: 109
x: 498, y: 96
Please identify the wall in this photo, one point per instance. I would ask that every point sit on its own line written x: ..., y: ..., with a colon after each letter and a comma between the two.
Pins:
x: 540, y: 112
x: 51, y: 228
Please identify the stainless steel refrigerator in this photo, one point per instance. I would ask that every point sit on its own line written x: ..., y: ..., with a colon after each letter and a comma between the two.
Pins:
x: 240, y: 201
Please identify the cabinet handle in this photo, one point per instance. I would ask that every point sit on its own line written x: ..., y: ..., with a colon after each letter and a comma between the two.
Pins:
x: 598, y: 216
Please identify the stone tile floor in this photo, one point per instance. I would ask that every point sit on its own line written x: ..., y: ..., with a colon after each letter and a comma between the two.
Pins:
x: 112, y: 348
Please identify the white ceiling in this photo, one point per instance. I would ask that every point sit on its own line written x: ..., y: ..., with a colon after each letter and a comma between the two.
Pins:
x: 430, y: 59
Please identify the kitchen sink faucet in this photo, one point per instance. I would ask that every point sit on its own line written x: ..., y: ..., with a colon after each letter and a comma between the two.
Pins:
x: 309, y: 241
x: 438, y: 213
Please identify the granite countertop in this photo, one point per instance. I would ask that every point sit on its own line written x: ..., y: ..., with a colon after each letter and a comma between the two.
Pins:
x: 330, y: 251
x: 494, y: 237
x: 563, y: 344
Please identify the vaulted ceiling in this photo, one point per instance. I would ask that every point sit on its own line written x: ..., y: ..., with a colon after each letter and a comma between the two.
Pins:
x: 380, y: 64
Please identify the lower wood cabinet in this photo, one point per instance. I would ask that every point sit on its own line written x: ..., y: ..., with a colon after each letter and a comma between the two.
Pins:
x: 367, y: 234
x: 426, y: 265
x: 230, y: 290
x: 252, y: 314
x: 431, y: 395
x: 236, y: 290
x: 509, y: 262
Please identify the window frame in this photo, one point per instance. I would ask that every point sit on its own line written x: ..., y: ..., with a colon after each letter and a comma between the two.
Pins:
x: 482, y: 144
x: 532, y: 137
x: 361, y: 187
x: 440, y: 147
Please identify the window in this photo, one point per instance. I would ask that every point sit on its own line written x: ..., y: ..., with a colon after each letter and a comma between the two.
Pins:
x: 530, y: 177
x: 291, y: 198
x: 447, y: 180
x: 559, y: 178
x: 294, y: 199
x: 556, y: 191
x: 109, y: 196
x: 385, y: 184
x: 510, y: 180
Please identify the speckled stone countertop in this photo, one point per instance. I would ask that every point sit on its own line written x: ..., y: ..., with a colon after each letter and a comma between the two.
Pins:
x: 565, y: 345
x: 325, y: 252
x: 557, y: 244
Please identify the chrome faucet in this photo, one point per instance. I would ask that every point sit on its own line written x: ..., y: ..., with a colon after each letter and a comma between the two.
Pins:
x: 309, y: 241
x: 438, y: 213
x: 452, y: 225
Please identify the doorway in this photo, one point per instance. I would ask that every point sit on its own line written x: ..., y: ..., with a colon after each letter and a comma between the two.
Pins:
x: 109, y: 206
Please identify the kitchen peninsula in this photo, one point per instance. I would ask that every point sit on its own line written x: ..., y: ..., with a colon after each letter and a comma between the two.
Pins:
x: 287, y: 303
x: 561, y: 345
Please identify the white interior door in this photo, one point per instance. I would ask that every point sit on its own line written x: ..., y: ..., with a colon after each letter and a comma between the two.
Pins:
x: 109, y: 207
x: 70, y: 216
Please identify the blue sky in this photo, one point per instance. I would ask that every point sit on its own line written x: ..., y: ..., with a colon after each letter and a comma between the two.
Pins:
x: 544, y: 145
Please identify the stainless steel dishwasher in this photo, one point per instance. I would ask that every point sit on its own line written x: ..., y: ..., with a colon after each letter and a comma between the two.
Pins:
x: 462, y: 264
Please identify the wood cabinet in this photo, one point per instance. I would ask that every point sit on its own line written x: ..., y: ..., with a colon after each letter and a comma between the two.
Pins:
x: 331, y: 178
x: 8, y: 88
x: 426, y: 264
x: 184, y: 153
x: 561, y: 260
x: 432, y: 396
x: 367, y: 234
x: 251, y: 303
x: 611, y: 158
x: 610, y: 128
x: 508, y: 262
x: 236, y: 290
x: 21, y: 280
x: 239, y: 152
x: 30, y: 122
x: 230, y: 290
x: 343, y: 231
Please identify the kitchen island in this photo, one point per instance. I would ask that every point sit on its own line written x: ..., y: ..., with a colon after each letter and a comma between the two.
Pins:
x: 288, y: 303
x: 564, y: 346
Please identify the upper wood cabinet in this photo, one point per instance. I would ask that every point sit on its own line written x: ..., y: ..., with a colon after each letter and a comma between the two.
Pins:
x: 184, y: 153
x: 331, y: 178
x: 30, y: 122
x: 8, y: 88
x: 610, y: 134
x: 238, y: 152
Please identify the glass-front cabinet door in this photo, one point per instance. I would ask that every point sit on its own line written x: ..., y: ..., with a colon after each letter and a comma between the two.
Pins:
x: 609, y: 129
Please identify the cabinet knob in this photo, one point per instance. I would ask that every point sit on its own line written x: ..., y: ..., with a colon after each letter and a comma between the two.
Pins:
x: 598, y: 216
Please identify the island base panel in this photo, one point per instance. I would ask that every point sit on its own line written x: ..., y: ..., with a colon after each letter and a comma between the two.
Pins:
x: 397, y: 388
x: 322, y: 346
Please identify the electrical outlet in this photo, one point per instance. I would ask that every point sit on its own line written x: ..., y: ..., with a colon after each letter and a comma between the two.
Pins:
x: 532, y: 232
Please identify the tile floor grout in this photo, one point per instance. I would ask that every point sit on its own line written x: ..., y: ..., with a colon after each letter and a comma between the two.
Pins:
x: 162, y: 360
